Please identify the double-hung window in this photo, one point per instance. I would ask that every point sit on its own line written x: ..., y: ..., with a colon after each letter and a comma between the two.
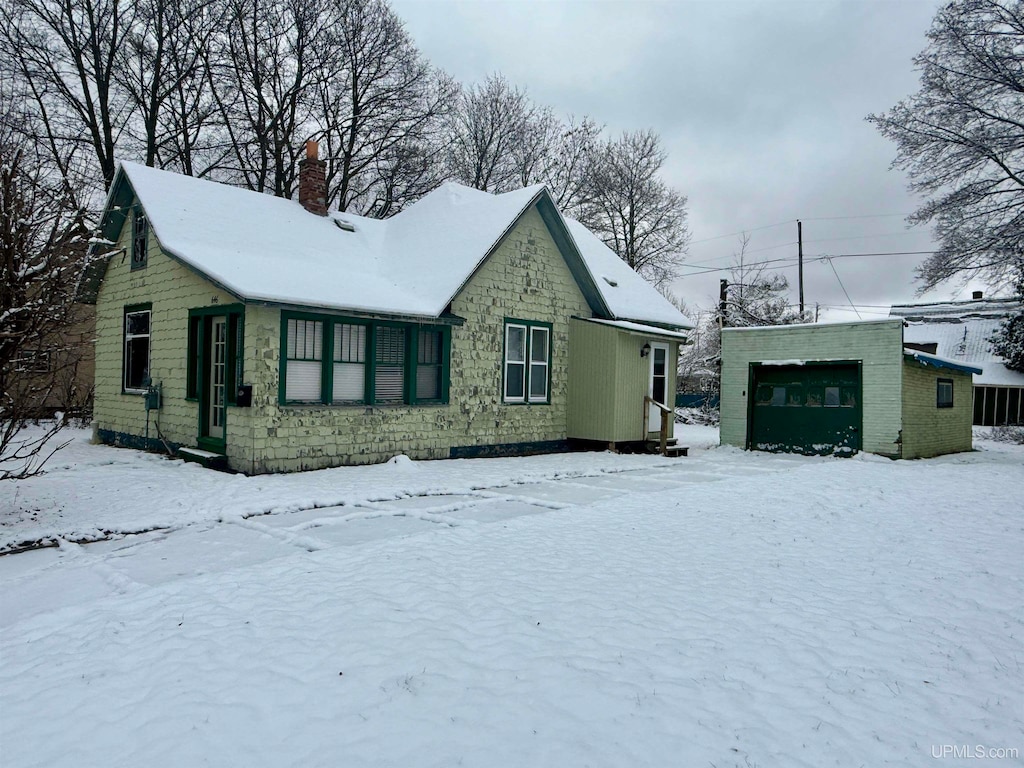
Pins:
x: 337, y: 361
x: 304, y: 354
x: 389, y: 375
x: 527, y: 365
x: 429, y: 365
x: 135, y: 362
x: 349, y: 382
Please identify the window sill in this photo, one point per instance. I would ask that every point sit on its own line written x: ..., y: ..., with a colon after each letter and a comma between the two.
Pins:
x: 364, y: 406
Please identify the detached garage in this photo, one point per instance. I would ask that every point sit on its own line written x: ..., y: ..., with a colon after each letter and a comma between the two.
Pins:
x: 839, y: 389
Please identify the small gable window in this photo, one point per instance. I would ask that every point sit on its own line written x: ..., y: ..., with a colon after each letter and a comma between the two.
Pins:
x: 944, y: 393
x: 135, y: 362
x: 527, y: 369
x: 140, y: 238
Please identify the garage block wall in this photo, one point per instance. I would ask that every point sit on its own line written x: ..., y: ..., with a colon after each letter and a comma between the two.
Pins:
x: 878, y: 345
x: 927, y: 429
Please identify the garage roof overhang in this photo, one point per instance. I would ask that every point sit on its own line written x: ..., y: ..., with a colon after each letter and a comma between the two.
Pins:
x: 934, y: 361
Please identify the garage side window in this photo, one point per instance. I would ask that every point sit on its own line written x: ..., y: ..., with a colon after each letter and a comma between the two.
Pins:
x: 944, y: 393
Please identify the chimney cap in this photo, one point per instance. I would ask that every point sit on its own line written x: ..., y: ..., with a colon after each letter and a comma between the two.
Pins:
x: 977, y: 295
x: 312, y: 150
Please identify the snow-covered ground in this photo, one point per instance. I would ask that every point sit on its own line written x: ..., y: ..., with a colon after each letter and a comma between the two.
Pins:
x: 726, y: 609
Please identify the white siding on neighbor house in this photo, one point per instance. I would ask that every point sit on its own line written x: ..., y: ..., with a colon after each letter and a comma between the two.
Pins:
x: 877, y: 345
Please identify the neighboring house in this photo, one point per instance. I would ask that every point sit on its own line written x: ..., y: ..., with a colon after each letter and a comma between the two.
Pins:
x: 57, y: 375
x: 282, y: 337
x: 962, y: 330
x: 842, y: 388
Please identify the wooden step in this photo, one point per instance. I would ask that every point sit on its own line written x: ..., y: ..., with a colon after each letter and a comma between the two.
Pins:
x: 208, y: 459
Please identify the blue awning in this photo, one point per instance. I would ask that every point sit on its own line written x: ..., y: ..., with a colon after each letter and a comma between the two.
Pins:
x: 940, y: 362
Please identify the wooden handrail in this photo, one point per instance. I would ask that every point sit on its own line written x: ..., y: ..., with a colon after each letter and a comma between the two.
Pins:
x: 665, y: 412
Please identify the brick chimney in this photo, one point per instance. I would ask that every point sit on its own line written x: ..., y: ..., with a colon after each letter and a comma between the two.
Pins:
x: 313, y: 181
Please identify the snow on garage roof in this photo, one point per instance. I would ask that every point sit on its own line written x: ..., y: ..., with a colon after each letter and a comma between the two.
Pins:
x: 267, y: 248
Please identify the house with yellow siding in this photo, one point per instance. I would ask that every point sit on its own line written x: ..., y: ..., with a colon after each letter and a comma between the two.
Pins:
x: 267, y: 335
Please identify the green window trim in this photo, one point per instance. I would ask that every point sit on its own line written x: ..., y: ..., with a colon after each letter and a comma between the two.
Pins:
x: 140, y: 238
x: 526, y: 362
x: 943, y: 393
x: 198, y: 329
x: 349, y: 343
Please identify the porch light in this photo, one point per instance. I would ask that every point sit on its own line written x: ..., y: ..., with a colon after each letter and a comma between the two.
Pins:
x: 645, y: 350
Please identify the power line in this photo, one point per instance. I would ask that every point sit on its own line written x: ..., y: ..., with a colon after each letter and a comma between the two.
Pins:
x: 865, y: 216
x: 843, y: 287
x: 741, y: 232
x: 790, y: 221
x: 790, y: 260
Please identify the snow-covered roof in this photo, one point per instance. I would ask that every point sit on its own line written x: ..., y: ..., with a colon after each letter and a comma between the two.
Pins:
x: 268, y: 248
x: 627, y: 297
x: 956, y: 310
x: 964, y: 336
x: 639, y: 328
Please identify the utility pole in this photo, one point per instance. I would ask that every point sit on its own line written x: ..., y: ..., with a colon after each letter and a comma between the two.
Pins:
x: 800, y: 255
x: 817, y: 306
x: 723, y: 292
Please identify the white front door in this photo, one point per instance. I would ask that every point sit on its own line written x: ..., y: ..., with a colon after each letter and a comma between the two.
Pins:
x: 658, y: 386
x: 218, y: 351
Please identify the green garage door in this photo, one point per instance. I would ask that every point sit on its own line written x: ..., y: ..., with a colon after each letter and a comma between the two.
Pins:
x: 810, y: 409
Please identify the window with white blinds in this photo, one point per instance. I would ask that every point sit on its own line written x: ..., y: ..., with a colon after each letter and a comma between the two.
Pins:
x: 349, y: 380
x: 304, y: 360
x: 344, y: 362
x: 389, y: 378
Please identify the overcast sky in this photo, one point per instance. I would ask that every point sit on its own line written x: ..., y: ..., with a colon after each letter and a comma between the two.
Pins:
x: 760, y: 104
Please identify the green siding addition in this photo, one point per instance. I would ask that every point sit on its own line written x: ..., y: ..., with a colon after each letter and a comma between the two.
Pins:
x: 608, y: 382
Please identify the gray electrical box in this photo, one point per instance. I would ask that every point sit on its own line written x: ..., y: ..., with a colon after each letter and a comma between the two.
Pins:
x: 152, y: 398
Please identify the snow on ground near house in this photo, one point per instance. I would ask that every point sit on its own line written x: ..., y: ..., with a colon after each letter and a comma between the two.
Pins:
x: 727, y: 609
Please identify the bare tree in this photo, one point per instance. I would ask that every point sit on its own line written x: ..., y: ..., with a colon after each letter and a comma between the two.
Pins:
x: 961, y: 140
x: 380, y: 106
x: 66, y: 55
x: 568, y: 167
x: 160, y: 68
x: 263, y: 78
x: 42, y: 241
x: 489, y: 129
x: 633, y: 210
x: 755, y: 297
